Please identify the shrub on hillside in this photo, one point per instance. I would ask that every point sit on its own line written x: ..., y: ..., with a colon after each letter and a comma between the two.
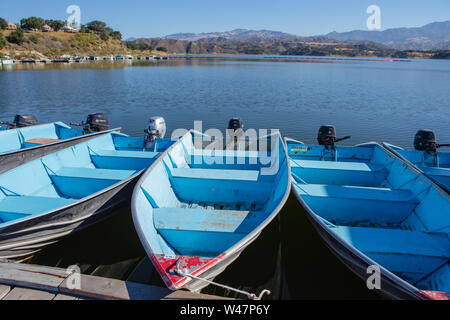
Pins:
x: 2, y: 41
x: 34, y: 39
x: 16, y: 37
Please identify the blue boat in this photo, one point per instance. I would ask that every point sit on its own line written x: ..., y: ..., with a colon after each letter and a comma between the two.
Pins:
x: 69, y: 190
x: 377, y: 214
x: 26, y: 140
x: 426, y: 157
x: 195, y: 210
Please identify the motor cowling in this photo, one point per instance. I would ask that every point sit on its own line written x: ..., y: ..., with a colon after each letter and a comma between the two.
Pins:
x: 235, y: 127
x: 25, y: 120
x: 156, y: 129
x: 425, y: 140
x: 327, y: 135
x: 97, y: 122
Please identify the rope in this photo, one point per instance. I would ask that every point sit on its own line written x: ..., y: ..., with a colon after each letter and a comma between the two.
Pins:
x: 251, y: 296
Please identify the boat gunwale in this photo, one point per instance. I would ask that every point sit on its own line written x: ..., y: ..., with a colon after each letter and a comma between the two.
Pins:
x: 238, y: 246
x: 92, y: 134
x: 410, y: 288
x: 413, y: 166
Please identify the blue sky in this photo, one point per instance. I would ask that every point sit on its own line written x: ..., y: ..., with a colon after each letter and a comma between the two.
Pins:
x: 150, y: 18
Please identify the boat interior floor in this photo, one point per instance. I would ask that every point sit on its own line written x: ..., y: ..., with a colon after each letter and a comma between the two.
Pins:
x: 358, y: 202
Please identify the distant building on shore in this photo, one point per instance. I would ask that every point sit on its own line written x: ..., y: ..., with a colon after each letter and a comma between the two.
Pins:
x: 47, y: 28
x: 69, y: 29
x: 11, y: 26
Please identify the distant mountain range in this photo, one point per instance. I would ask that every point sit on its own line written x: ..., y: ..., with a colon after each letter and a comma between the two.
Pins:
x: 238, y: 34
x: 433, y: 36
x: 393, y: 43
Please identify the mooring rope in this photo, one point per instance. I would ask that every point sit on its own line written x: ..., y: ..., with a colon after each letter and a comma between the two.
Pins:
x: 251, y: 296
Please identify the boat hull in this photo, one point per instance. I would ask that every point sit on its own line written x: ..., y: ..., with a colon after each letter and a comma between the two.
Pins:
x: 27, y: 237
x: 17, y: 158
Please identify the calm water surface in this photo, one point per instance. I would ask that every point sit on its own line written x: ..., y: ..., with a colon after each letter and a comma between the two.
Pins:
x: 371, y: 101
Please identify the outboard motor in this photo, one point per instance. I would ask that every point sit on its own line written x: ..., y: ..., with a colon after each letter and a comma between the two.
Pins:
x: 156, y: 129
x: 97, y: 122
x: 24, y: 120
x: 327, y: 137
x: 235, y: 130
x: 425, y: 140
x: 235, y: 127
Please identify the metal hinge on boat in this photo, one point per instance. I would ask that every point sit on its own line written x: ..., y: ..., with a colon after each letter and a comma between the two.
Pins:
x: 250, y: 296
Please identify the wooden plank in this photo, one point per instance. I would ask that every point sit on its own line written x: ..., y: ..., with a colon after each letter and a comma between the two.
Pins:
x: 42, y: 141
x: 29, y: 276
x: 110, y: 289
x: 28, y: 294
x: 4, y: 290
x: 65, y: 297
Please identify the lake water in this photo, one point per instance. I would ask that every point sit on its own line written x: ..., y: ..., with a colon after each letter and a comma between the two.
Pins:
x: 369, y: 100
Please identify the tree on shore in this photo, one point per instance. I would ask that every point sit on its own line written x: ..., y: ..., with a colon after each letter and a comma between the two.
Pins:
x: 2, y: 41
x: 55, y: 24
x: 17, y: 36
x: 32, y: 23
x: 3, y: 24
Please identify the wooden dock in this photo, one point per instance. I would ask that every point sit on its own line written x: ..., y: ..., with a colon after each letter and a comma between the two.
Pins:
x: 30, y: 282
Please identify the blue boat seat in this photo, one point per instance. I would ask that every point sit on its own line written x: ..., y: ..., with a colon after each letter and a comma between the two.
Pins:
x: 125, y: 154
x: 215, y: 174
x: 358, y: 205
x: 204, y: 232
x: 94, y: 173
x: 409, y: 253
x: 17, y: 207
x: 117, y: 159
x: 78, y: 183
x: 339, y: 173
x: 354, y: 192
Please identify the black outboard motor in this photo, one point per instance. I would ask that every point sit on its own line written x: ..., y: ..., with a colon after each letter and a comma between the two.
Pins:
x: 97, y: 122
x: 327, y: 136
x: 24, y: 120
x: 425, y: 140
x: 235, y: 127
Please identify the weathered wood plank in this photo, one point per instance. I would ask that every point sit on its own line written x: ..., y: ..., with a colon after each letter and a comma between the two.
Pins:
x: 29, y: 276
x: 28, y: 294
x: 4, y: 290
x: 65, y: 297
x: 41, y: 141
x: 110, y: 289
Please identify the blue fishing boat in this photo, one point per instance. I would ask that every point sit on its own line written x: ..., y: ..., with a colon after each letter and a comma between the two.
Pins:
x: 68, y: 190
x: 195, y: 209
x: 378, y: 214
x: 25, y: 140
x: 426, y: 157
